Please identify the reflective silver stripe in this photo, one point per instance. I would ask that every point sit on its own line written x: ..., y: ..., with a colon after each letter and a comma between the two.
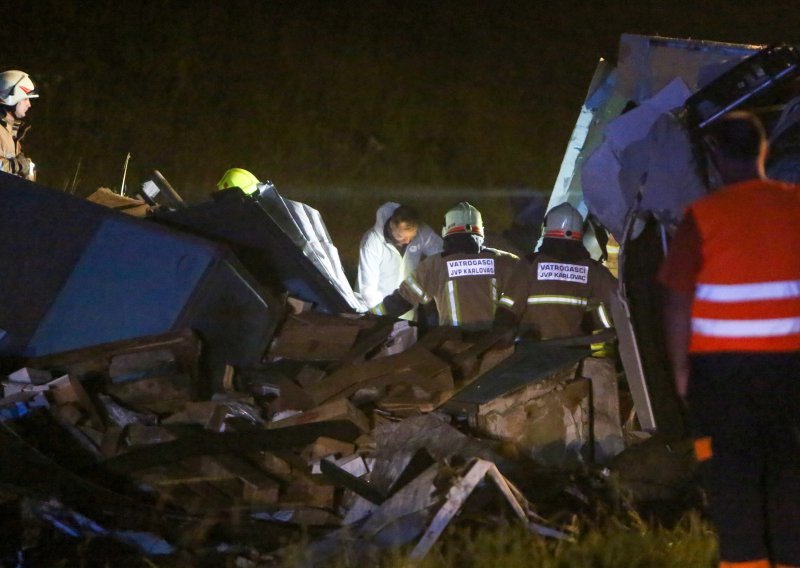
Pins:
x: 506, y: 301
x: 378, y: 310
x: 451, y: 294
x: 417, y: 289
x: 601, y: 310
x: 568, y: 300
x: 748, y: 292
x: 746, y: 328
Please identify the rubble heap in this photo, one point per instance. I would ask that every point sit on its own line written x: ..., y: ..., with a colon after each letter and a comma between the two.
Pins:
x: 362, y: 433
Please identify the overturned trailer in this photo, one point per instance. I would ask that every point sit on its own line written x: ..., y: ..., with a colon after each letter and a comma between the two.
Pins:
x: 634, y: 162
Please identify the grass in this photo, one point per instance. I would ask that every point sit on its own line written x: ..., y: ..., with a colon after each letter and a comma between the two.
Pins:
x: 628, y: 543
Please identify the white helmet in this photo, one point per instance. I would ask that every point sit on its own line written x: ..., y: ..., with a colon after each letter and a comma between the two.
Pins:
x: 463, y: 218
x: 16, y: 86
x: 563, y: 222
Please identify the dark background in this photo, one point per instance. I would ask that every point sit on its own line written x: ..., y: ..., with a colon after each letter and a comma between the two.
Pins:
x: 355, y: 99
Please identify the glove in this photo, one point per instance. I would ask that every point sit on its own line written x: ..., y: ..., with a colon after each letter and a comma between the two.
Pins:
x: 21, y: 165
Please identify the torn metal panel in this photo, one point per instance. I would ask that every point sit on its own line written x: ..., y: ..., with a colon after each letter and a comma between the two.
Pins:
x: 283, y: 243
x: 613, y: 175
x: 308, y: 231
x: 646, y: 65
x: 647, y: 370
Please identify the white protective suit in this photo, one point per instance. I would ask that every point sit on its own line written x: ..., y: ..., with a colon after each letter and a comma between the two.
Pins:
x: 381, y: 269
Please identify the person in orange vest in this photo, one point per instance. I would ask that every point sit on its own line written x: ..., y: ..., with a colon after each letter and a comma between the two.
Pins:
x: 732, y: 319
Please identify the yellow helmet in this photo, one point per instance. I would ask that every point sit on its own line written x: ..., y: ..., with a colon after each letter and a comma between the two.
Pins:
x: 238, y: 177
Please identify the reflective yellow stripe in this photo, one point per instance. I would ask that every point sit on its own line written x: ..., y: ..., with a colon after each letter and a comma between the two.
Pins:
x: 451, y: 294
x: 379, y: 310
x: 601, y: 310
x: 417, y: 289
x: 563, y: 300
x: 506, y: 301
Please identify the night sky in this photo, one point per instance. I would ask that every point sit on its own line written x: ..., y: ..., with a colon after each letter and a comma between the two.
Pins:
x: 363, y: 94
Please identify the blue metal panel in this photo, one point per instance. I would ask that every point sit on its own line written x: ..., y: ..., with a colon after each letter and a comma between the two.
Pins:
x: 130, y: 281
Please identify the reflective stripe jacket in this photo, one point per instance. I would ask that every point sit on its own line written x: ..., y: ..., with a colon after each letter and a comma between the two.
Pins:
x: 747, y: 294
x: 561, y: 292
x: 467, y: 288
x: 381, y: 268
x: 9, y: 146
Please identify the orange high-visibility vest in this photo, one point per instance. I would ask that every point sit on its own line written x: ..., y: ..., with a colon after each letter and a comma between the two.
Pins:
x: 747, y: 296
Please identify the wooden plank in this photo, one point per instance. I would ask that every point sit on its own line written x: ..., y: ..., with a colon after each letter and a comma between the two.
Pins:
x: 184, y: 343
x: 347, y: 380
x: 340, y: 409
x: 456, y: 498
x: 212, y: 443
x: 359, y: 486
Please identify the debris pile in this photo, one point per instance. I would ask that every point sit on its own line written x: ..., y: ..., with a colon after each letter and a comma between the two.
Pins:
x: 353, y: 429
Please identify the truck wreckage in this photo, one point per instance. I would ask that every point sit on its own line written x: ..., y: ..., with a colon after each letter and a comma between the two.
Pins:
x: 203, y: 380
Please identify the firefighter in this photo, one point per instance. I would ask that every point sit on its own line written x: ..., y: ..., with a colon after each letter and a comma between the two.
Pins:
x: 732, y: 320
x: 564, y: 283
x: 391, y: 250
x: 16, y: 91
x: 473, y: 286
x: 241, y: 178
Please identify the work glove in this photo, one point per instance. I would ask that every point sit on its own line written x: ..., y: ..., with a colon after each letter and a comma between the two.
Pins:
x: 21, y: 165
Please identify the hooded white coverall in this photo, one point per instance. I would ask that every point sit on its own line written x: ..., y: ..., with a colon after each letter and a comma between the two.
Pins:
x: 381, y: 268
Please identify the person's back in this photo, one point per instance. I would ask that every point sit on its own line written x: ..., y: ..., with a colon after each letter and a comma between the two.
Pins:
x: 564, y: 282
x: 466, y: 286
x: 732, y: 320
x: 751, y: 239
x: 471, y: 285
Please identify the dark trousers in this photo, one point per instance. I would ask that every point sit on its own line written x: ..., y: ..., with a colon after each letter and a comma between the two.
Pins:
x: 749, y: 404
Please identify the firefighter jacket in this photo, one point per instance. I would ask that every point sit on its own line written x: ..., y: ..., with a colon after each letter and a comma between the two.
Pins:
x: 10, y: 147
x: 467, y: 287
x: 381, y: 267
x: 561, y: 292
x: 747, y: 291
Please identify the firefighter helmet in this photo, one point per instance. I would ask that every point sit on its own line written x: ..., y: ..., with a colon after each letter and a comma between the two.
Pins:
x: 238, y: 177
x: 463, y: 218
x: 16, y: 86
x: 563, y: 222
